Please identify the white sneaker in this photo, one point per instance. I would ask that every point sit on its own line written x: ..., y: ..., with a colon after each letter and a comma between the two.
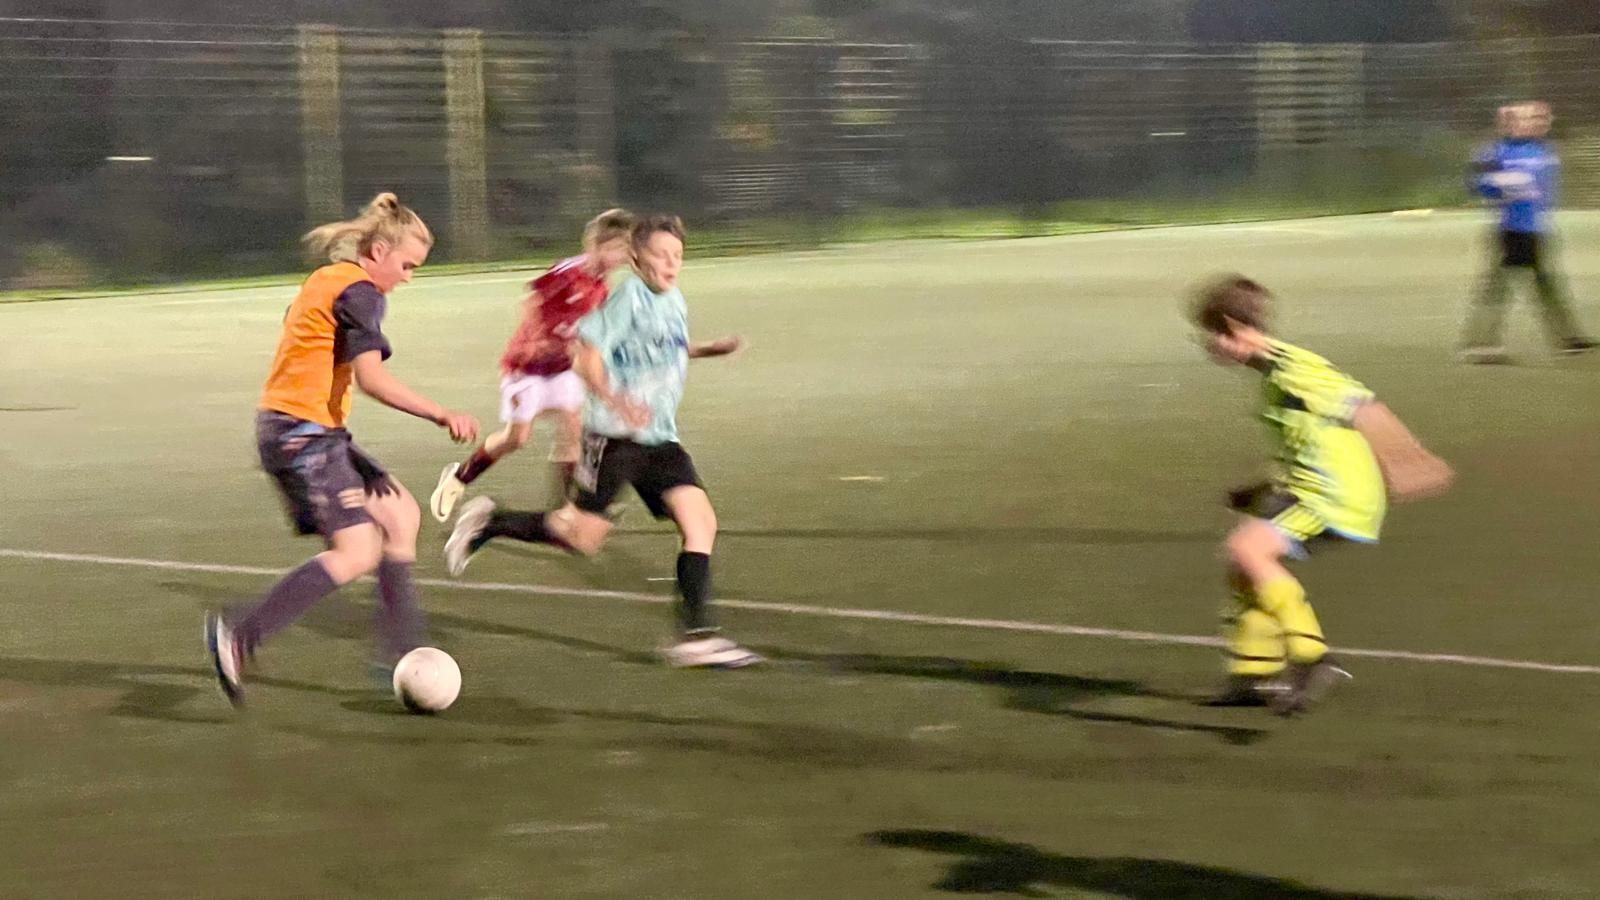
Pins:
x: 1485, y: 356
x: 709, y: 652
x: 224, y: 649
x: 464, y: 539
x: 447, y: 494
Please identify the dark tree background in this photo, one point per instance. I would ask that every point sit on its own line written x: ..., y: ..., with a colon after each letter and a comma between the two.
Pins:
x: 1205, y: 20
x: 56, y: 180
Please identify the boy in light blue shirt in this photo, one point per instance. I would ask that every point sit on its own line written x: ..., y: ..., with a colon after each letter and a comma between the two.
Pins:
x: 642, y: 339
x: 633, y: 355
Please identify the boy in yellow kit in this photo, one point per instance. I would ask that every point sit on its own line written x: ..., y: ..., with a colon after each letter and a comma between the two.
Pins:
x: 1341, y: 455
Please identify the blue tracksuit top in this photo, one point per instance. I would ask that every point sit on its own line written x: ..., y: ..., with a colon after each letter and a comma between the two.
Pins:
x: 1523, y: 207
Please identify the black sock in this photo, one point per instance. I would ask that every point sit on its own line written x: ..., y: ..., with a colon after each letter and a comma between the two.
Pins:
x: 694, y: 586
x: 520, y: 526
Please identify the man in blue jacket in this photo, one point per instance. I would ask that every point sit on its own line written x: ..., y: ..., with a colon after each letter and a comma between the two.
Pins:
x: 1518, y: 174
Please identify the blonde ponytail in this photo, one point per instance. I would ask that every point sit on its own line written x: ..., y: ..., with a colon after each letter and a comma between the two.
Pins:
x: 384, y: 219
x: 608, y: 226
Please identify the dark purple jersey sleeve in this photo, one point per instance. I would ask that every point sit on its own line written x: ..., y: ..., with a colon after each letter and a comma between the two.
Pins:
x: 358, y: 311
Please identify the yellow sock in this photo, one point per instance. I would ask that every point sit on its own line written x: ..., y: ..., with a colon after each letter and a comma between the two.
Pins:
x: 1254, y: 640
x: 1285, y: 600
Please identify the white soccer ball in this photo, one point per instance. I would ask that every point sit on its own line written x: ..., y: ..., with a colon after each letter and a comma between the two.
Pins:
x: 427, y: 680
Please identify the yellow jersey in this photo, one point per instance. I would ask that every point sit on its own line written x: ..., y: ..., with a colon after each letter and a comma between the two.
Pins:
x: 1322, y: 460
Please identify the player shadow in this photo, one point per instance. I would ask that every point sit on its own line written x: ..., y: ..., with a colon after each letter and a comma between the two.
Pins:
x: 144, y: 691
x: 138, y: 698
x: 618, y: 566
x: 468, y: 710
x: 988, y: 866
x: 618, y: 569
x: 451, y: 622
x: 388, y: 738
x: 1048, y: 693
x: 965, y: 535
x: 779, y: 742
x: 343, y: 617
x: 148, y: 692
x: 981, y: 535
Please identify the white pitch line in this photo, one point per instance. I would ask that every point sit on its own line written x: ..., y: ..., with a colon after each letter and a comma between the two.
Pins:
x: 826, y: 612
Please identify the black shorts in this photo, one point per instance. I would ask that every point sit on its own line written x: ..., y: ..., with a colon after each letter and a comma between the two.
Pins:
x: 608, y: 464
x: 322, y: 476
x: 1520, y: 248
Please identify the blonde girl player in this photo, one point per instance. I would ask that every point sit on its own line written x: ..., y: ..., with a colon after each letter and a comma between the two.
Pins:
x: 633, y: 355
x: 1340, y: 456
x: 536, y: 377
x: 332, y: 337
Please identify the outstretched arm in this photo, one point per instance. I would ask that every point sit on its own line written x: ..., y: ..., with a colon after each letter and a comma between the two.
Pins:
x: 1410, y: 471
x: 376, y: 382
x: 719, y: 347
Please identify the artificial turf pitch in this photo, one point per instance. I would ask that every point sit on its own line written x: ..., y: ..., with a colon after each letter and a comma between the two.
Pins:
x: 1021, y: 431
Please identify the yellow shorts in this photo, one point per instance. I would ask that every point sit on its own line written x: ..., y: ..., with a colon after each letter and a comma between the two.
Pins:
x: 1301, y: 525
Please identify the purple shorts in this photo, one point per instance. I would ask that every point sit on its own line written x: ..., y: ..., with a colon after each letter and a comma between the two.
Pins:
x: 322, y: 476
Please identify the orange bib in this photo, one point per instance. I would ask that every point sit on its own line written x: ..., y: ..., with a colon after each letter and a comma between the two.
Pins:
x: 306, y: 382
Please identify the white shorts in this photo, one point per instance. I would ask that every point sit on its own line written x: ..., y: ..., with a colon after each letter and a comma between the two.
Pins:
x: 522, y: 397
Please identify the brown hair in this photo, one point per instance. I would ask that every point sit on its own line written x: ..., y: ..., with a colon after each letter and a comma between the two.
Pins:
x: 1505, y: 119
x: 1229, y: 299
x: 608, y: 226
x: 647, y: 226
x: 384, y: 219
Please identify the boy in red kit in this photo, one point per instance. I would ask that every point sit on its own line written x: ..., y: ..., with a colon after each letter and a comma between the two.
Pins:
x: 536, y: 370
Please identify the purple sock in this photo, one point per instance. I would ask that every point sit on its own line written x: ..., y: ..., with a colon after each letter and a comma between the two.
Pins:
x: 399, y: 619
x: 288, y: 600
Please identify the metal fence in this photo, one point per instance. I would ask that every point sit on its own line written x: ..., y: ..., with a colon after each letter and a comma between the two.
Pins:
x: 131, y: 150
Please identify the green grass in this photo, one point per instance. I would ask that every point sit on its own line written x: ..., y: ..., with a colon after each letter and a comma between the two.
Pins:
x: 204, y: 285
x: 1051, y: 448
x: 790, y: 234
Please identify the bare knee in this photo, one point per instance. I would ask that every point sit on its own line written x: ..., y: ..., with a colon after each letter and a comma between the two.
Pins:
x: 1236, y: 547
x: 588, y: 546
x: 1254, y: 550
x: 400, y: 520
x: 518, y: 434
x: 701, y: 534
x: 352, y: 552
x: 565, y: 447
x: 584, y: 532
x: 696, y: 520
x: 400, y: 541
x: 509, y: 439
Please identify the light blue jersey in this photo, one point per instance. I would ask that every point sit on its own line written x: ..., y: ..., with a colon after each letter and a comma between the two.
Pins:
x: 643, y: 337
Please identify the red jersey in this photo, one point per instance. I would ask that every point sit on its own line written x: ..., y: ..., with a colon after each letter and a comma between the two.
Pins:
x: 556, y: 301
